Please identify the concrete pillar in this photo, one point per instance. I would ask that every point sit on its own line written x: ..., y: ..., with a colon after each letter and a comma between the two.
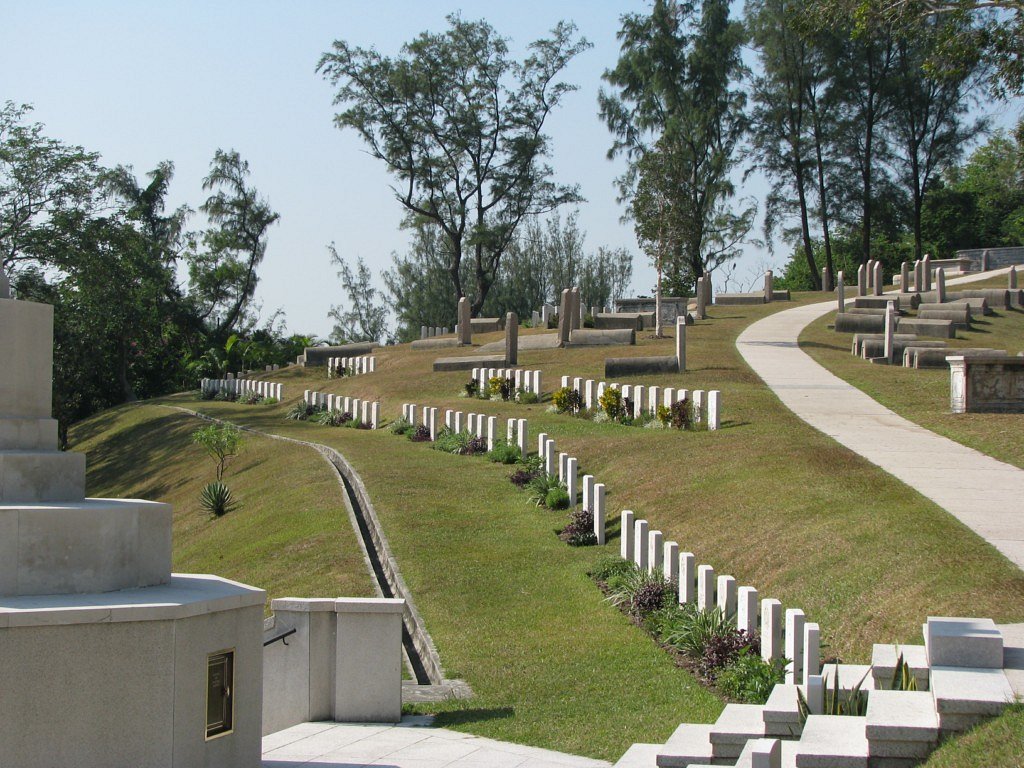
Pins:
x: 687, y: 578
x: 812, y: 650
x: 862, y: 280
x: 746, y: 610
x: 670, y: 563
x: 681, y: 343
x: 572, y: 467
x: 511, y: 339
x: 794, y: 645
x: 705, y: 588
x: 768, y: 286
x: 727, y: 596
x: 626, y: 535
x: 714, y: 409
x: 599, y: 513
x: 879, y: 279
x: 771, y: 629
x: 841, y: 292
x: 655, y: 551
x: 640, y: 544
x: 940, y: 285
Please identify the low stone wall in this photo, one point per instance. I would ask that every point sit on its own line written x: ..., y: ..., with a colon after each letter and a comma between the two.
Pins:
x: 996, y: 259
x: 986, y: 384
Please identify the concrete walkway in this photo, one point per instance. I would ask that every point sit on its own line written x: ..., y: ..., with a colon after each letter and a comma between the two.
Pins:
x: 411, y: 744
x: 983, y: 493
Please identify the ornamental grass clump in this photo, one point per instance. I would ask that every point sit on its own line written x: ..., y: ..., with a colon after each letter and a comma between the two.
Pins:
x: 526, y: 398
x: 300, y: 412
x: 540, y: 486
x: 557, y: 498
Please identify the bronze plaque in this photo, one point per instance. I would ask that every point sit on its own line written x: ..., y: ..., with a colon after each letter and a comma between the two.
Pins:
x: 220, y: 685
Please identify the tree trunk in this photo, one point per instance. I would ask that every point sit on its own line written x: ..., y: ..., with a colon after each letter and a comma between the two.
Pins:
x: 805, y: 229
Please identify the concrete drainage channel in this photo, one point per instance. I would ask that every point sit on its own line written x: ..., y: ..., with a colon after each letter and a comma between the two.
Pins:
x: 421, y: 659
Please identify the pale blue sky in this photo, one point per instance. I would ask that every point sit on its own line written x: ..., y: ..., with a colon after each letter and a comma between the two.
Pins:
x: 142, y: 82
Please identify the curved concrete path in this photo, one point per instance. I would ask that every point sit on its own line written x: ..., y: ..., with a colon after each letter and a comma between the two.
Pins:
x: 985, y: 494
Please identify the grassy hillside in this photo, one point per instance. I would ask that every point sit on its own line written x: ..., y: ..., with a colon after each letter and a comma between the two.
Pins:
x: 922, y: 396
x: 291, y: 535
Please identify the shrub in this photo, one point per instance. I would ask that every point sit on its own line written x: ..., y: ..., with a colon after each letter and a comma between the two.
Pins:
x: 567, y: 400
x: 300, y: 412
x: 225, y: 397
x: 504, y: 453
x: 330, y: 418
x: 521, y: 478
x: 638, y: 592
x: 450, y: 441
x: 250, y: 398
x: 475, y: 445
x: 270, y: 401
x: 557, y: 498
x: 526, y: 398
x: 339, y: 371
x: 851, y: 703
x: 722, y: 650
x: 691, y: 630
x: 682, y: 414
x: 402, y: 427
x: 501, y: 388
x: 580, y: 530
x: 650, y: 596
x: 611, y: 403
x: 665, y: 415
x: 472, y: 388
x: 750, y: 679
x: 539, y: 487
x: 208, y: 394
x: 217, y: 499
x: 221, y: 441
x: 420, y: 434
x: 609, y: 566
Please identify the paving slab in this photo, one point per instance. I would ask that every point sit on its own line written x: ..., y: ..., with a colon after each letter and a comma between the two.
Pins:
x: 981, y: 492
x: 411, y: 744
x: 963, y: 691
x: 833, y: 741
x: 690, y: 743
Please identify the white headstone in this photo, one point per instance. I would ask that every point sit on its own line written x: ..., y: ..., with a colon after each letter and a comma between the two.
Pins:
x: 705, y: 588
x: 599, y: 513
x: 771, y: 629
x: 626, y: 535
x: 687, y: 578
x: 794, y: 645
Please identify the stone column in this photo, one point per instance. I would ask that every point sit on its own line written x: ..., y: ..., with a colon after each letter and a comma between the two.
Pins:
x: 889, y: 329
x: 905, y: 277
x: 1012, y: 278
x: 687, y: 576
x: 564, y: 323
x: 794, y: 645
x: 465, y: 323
x: 746, y: 610
x: 768, y: 286
x: 511, y: 339
x: 879, y: 279
x: 681, y: 344
x: 771, y: 629
x: 640, y: 544
x: 626, y: 535
x: 841, y: 291
x: 926, y: 271
x: 940, y: 286
x: 862, y: 280
x: 705, y: 588
x: 599, y: 512
x: 701, y: 299
x: 870, y: 270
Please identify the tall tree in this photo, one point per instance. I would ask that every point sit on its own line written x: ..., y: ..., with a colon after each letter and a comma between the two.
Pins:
x: 224, y: 276
x: 418, y: 283
x: 674, y: 84
x: 460, y: 125
x: 366, y: 318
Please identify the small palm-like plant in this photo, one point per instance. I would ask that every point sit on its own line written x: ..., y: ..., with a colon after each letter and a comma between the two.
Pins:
x: 217, y: 499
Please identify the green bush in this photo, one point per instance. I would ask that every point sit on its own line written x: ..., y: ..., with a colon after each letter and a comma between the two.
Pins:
x: 450, y: 441
x: 557, y: 498
x: 691, y: 630
x: 567, y: 400
x: 504, y: 452
x: 639, y: 592
x: 540, y: 487
x: 300, y: 412
x: 750, y: 679
x: 526, y: 398
x: 611, y: 403
x: 609, y: 566
x: 217, y: 499
x: 402, y: 427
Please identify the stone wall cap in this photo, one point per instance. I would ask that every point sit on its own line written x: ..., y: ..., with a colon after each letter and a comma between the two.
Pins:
x: 1006, y: 360
x: 184, y: 596
x: 369, y: 605
x: 303, y: 604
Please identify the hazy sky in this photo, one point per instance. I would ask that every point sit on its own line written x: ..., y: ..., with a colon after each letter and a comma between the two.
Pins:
x: 141, y: 82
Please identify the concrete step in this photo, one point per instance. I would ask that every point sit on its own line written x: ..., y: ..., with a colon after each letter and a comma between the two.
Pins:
x: 964, y: 697
x: 781, y: 713
x: 833, y: 742
x: 640, y: 756
x: 738, y: 724
x: 902, y: 724
x: 690, y: 744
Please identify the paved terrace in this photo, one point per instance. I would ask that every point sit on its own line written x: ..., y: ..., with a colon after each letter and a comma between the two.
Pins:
x: 981, y: 492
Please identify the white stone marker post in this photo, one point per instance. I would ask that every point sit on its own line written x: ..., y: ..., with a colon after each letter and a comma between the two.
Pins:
x: 542, y: 443
x: 918, y: 277
x: 771, y: 629
x: 769, y: 289
x: 862, y: 280
x: 841, y: 291
x: 812, y: 650
x: 626, y: 535
x: 492, y: 432
x: 926, y: 271
x: 879, y: 280
x: 681, y: 344
x: 705, y: 587
x: 563, y: 457
x: 687, y: 577
x: 588, y: 492
x: 727, y: 596
x: 714, y: 409
x: 698, y: 405
x: 670, y: 561
x: 599, y: 513
x: 653, y: 398
x: 655, y: 551
x: 640, y: 544
x: 815, y: 694
x: 572, y: 466
x: 890, y: 331
x: 905, y: 277
x: 794, y: 645
x: 590, y: 394
x: 746, y: 610
x: 1011, y: 278
x: 550, y: 460
x: 702, y: 310
x: 465, y: 323
x: 521, y: 438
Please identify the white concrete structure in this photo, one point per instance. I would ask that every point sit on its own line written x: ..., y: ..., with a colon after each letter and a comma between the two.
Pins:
x: 106, y: 657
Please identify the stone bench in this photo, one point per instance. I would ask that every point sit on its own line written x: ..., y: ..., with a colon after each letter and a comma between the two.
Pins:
x: 998, y: 298
x: 939, y: 329
x: 986, y: 384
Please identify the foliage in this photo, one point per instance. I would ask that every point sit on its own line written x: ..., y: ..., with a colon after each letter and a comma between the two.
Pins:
x: 501, y: 388
x: 366, y: 320
x: 902, y: 678
x: 567, y: 400
x: 611, y: 403
x: 526, y: 398
x: 472, y: 388
x: 540, y: 486
x: 682, y: 414
x: 460, y: 124
x: 691, y: 630
x: 221, y: 441
x: 638, y: 592
x: 610, y: 566
x: 300, y: 411
x: 557, y: 498
x: 217, y: 499
x: 580, y: 530
x: 250, y: 398
x: 450, y: 441
x: 852, y: 702
x: 420, y: 434
x: 749, y: 678
x: 401, y: 427
x: 504, y: 452
x: 327, y: 418
x: 522, y: 478
x: 723, y: 649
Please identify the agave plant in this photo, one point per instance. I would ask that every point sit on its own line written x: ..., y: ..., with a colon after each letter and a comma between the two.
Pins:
x: 217, y: 499
x: 852, y: 702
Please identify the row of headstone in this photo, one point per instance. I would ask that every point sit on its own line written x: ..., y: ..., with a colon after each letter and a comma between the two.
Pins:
x: 707, y: 406
x: 477, y: 425
x: 788, y: 636
x: 430, y: 331
x: 351, y: 365
x: 363, y: 411
x: 921, y: 270
x: 273, y: 367
x: 234, y: 386
x: 870, y: 278
x: 527, y: 381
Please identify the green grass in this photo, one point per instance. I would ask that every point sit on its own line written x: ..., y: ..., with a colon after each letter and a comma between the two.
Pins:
x: 291, y: 534
x: 998, y: 743
x: 766, y: 498
x: 922, y: 396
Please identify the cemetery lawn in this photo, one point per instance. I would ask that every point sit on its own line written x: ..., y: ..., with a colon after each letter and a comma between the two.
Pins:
x: 766, y: 498
x: 998, y: 743
x: 922, y: 396
x: 291, y: 534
